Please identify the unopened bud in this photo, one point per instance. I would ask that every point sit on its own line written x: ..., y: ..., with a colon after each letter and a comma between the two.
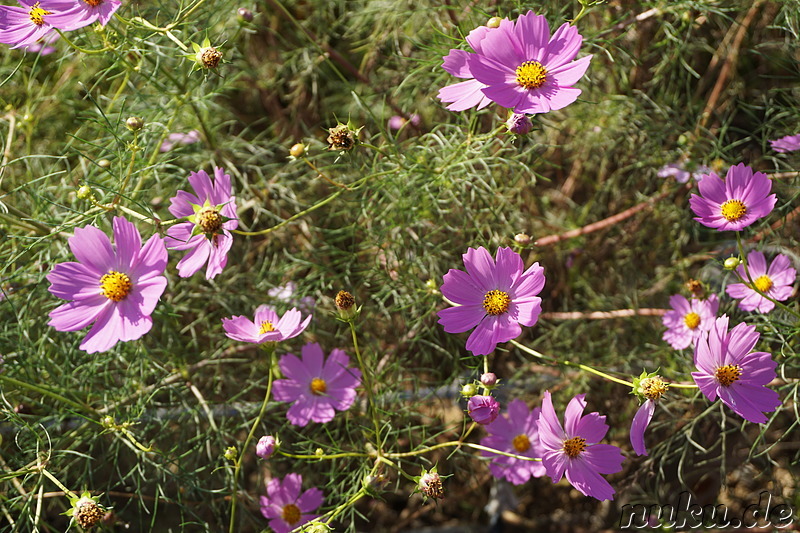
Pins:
x: 523, y: 239
x: 84, y: 192
x: 208, y: 57
x: 266, y: 446
x: 493, y: 22
x: 319, y: 452
x: 519, y: 124
x: 230, y: 453
x: 297, y: 150
x: 104, y: 163
x: 731, y: 263
x: 469, y: 390
x: 244, y: 14
x: 489, y: 379
x: 134, y: 123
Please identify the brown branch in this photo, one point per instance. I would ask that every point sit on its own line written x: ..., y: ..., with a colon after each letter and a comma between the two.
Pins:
x: 602, y: 315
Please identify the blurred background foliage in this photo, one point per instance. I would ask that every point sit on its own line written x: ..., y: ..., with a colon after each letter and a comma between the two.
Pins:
x: 706, y: 82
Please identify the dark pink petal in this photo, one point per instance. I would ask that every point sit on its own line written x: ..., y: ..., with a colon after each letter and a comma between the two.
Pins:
x: 750, y: 402
x: 480, y: 266
x: 526, y: 312
x: 455, y: 63
x: 758, y: 368
x: 313, y: 358
x: 342, y: 398
x: 279, y: 526
x: 588, y: 482
x: 508, y: 268
x: 781, y: 271
x: 291, y: 487
x: 335, y: 365
x: 295, y: 369
x: 554, y: 99
x: 463, y: 95
x: 270, y: 510
x: 741, y: 340
x: 92, y: 247
x: 592, y: 427
x: 104, y: 333
x: 756, y: 264
x: 462, y: 318
x: 241, y: 328
x: 510, y: 95
x: 501, y: 47
x: 532, y: 32
x: 132, y: 324
x: 482, y: 341
x: 74, y: 281
x: 549, y: 419
x: 128, y: 243
x: 459, y: 288
x: 555, y: 463
x: 712, y: 188
x: 531, y: 282
x: 181, y: 204
x: 310, y: 500
x: 322, y: 411
x: 179, y: 237
x: 301, y: 411
x: 640, y: 421
x: 201, y: 183
x: 707, y: 384
x: 603, y: 458
x: 572, y: 415
x: 218, y: 256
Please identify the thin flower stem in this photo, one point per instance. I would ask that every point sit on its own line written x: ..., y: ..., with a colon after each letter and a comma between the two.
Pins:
x: 47, y: 392
x: 457, y: 444
x: 324, y: 176
x: 367, y: 375
x: 131, y: 164
x: 270, y: 347
x: 58, y: 483
x: 682, y: 385
x: 751, y: 284
x: 78, y: 48
x: 326, y: 457
x: 571, y: 364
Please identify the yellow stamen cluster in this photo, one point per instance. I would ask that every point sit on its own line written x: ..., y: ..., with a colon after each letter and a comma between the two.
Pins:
x: 209, y: 220
x: 266, y: 327
x: 763, y: 283
x: 574, y: 447
x: 37, y: 14
x: 521, y: 443
x: 728, y: 375
x: 290, y: 514
x: 115, y: 285
x: 318, y: 386
x: 531, y: 75
x: 733, y: 210
x: 496, y: 302
x: 94, y: 3
x: 653, y: 388
x: 692, y: 320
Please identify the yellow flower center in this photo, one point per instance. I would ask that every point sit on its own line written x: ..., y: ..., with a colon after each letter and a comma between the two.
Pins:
x: 653, y: 388
x: 521, y: 443
x: 496, y: 302
x: 574, y: 446
x: 733, y: 210
x: 692, y: 320
x: 290, y: 514
x: 209, y: 220
x: 531, y: 75
x: 266, y: 327
x: 94, y: 3
x: 318, y: 386
x: 37, y: 14
x: 763, y: 283
x: 728, y: 375
x: 115, y: 285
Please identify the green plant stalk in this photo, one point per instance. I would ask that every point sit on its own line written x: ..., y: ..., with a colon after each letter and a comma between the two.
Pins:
x: 571, y: 364
x: 47, y: 392
x: 367, y: 375
x: 270, y: 347
x: 58, y: 483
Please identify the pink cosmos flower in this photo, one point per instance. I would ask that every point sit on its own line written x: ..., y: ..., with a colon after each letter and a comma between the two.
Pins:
x: 525, y: 69
x: 678, y: 171
x: 467, y: 94
x: 688, y: 319
x: 284, y: 506
x: 651, y: 388
x: 735, y: 203
x: 116, y: 287
x: 495, y: 297
x: 212, y: 216
x: 396, y: 122
x: 316, y: 386
x: 483, y: 409
x: 286, y: 293
x: 516, y: 432
x: 42, y: 46
x: 776, y: 282
x: 268, y: 326
x: 573, y: 449
x: 727, y: 368
x: 24, y: 25
x: 84, y: 12
x: 179, y: 138
x: 790, y: 143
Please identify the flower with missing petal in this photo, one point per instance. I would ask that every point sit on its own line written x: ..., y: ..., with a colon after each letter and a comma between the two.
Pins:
x: 525, y: 69
x: 115, y: 287
x: 790, y: 143
x: 650, y: 388
x: 734, y: 203
x: 316, y: 387
x: 495, y: 298
x: 517, y: 432
x: 211, y: 213
x: 284, y: 506
x: 776, y: 281
x: 726, y: 367
x: 688, y: 319
x: 574, y: 449
x: 268, y: 326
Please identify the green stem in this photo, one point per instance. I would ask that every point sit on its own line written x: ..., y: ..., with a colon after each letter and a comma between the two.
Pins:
x: 134, y: 149
x: 270, y: 347
x: 367, y: 375
x: 682, y: 385
x: 458, y: 443
x: 78, y: 48
x: 58, y: 483
x: 46, y: 392
x: 571, y: 364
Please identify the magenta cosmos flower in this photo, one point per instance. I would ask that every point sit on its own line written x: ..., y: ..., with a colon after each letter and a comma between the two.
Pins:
x: 515, y: 432
x: 268, y: 326
x: 179, y: 138
x: 734, y: 203
x: 525, y: 69
x: 116, y: 287
x: 211, y: 211
x: 688, y: 319
x: 315, y: 385
x: 776, y: 282
x: 650, y: 388
x: 467, y: 94
x: 483, y: 409
x: 678, y: 171
x: 284, y: 506
x: 496, y: 297
x: 84, y: 12
x: 24, y: 25
x: 727, y: 368
x: 790, y: 143
x: 573, y: 449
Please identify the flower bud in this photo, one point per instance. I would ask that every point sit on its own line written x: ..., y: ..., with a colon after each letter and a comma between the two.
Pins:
x: 695, y: 287
x: 731, y: 263
x: 493, y: 22
x: 483, y: 409
x: 469, y: 390
x: 523, y: 239
x: 297, y: 150
x: 87, y: 513
x: 134, y: 123
x: 84, y: 192
x: 230, y: 453
x: 104, y: 163
x: 430, y: 484
x: 489, y: 379
x: 244, y: 14
x: 519, y: 123
x: 346, y: 305
x: 319, y: 452
x: 266, y: 446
